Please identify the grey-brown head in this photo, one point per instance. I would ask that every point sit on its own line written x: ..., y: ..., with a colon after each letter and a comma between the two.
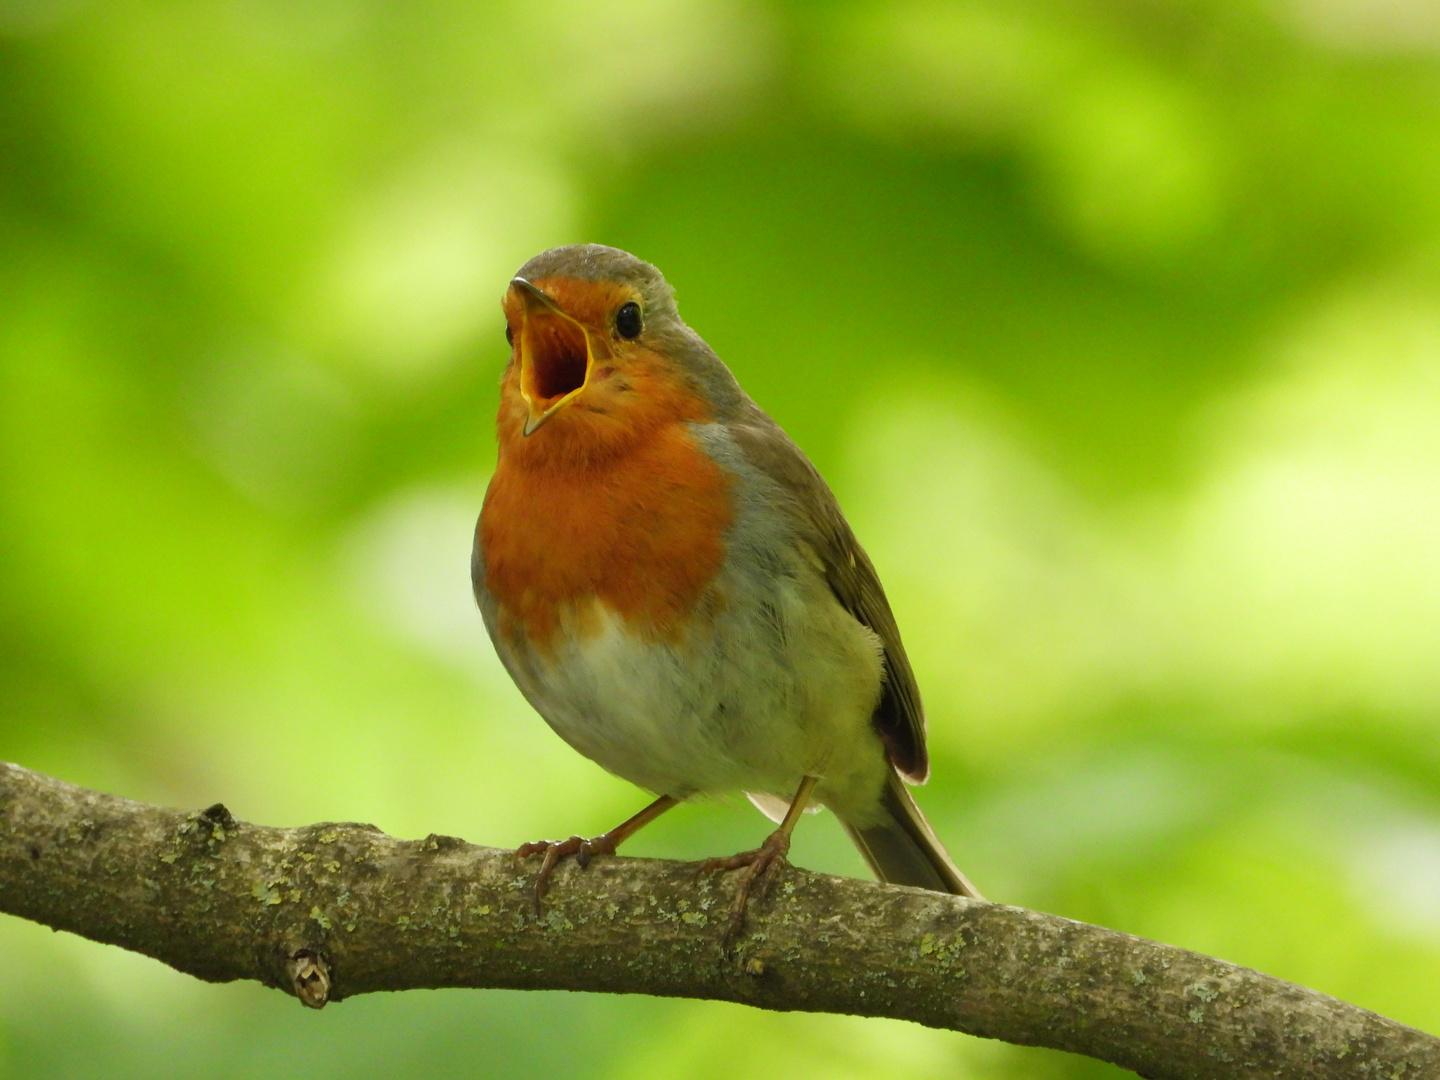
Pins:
x: 596, y: 337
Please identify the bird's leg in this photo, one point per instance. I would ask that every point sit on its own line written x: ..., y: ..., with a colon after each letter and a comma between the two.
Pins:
x: 754, y: 864
x: 584, y: 850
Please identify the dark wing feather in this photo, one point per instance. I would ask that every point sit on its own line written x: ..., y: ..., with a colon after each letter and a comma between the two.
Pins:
x: 899, y: 717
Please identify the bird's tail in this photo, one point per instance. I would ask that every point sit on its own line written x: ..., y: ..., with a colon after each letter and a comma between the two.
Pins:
x: 903, y: 849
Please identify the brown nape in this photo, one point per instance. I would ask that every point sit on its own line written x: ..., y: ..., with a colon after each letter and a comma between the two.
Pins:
x: 557, y: 356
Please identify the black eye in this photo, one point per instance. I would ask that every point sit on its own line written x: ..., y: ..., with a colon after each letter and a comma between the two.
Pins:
x: 627, y: 321
x: 509, y: 337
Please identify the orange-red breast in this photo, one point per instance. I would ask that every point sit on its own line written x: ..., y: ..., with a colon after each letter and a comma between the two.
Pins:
x: 673, y: 587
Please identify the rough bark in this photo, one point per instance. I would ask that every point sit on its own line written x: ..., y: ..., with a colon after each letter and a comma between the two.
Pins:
x: 332, y: 910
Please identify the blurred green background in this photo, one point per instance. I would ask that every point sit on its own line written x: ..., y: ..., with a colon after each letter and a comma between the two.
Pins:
x: 1113, y: 323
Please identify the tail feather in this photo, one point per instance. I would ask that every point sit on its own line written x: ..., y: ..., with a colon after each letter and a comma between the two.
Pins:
x: 903, y: 849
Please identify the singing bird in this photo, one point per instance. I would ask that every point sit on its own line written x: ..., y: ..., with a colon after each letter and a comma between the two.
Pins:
x: 673, y: 587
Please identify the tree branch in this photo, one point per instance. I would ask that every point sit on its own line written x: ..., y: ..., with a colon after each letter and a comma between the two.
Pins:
x: 329, y: 911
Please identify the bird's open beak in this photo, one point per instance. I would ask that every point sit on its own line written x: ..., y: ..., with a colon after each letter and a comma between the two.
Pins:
x: 556, y: 355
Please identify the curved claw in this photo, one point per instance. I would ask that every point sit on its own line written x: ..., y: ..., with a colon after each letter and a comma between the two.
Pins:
x: 754, y: 865
x: 554, y: 850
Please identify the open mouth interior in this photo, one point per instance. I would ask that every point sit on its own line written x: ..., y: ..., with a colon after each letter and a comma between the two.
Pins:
x: 557, y: 356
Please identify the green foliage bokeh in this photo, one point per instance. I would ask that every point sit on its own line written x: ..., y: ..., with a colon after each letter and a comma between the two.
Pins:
x: 1115, y: 327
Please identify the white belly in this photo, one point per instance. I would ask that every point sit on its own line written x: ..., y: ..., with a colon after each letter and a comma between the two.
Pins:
x: 780, y: 684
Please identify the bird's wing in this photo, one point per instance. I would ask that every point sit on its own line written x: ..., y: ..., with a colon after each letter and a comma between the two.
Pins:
x: 899, y: 717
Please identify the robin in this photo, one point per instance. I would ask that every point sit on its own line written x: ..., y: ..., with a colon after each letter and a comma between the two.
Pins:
x: 673, y: 587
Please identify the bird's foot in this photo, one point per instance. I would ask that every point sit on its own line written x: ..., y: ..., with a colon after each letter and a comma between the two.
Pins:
x: 753, y: 867
x: 554, y: 850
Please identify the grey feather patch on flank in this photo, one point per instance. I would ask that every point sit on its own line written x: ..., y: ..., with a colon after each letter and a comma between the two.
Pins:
x: 899, y: 717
